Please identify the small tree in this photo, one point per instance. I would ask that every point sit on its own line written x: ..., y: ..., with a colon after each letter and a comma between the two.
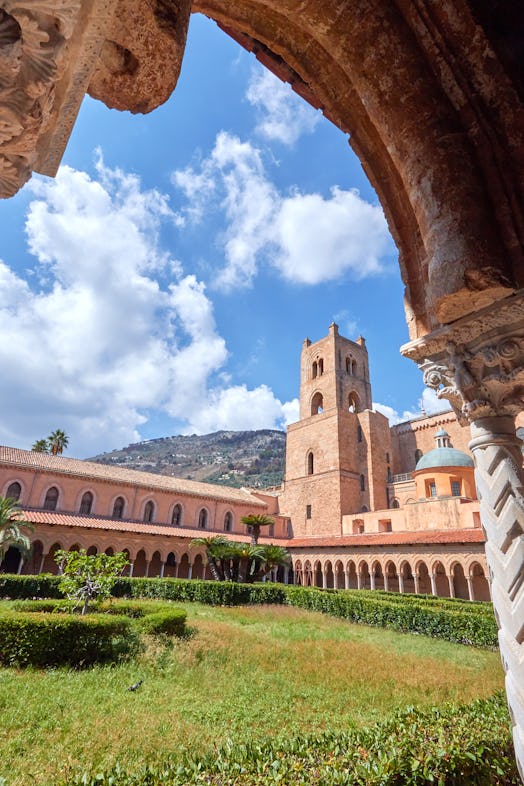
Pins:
x: 40, y: 446
x: 254, y: 522
x: 88, y: 578
x: 58, y: 442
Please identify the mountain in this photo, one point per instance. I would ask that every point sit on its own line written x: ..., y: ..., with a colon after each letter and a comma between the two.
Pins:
x: 230, y: 458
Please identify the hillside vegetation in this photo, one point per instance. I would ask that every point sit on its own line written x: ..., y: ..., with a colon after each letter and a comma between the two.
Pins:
x: 231, y: 458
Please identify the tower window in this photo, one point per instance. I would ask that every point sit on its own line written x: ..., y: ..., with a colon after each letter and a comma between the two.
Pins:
x: 320, y: 367
x: 13, y: 491
x: 118, y: 508
x: 455, y: 488
x: 308, y: 511
x: 359, y: 434
x: 149, y: 512
x: 314, y: 370
x: 362, y: 483
x: 310, y: 463
x: 353, y: 402
x: 317, y: 404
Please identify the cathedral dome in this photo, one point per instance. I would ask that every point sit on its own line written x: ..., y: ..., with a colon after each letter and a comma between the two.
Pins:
x: 443, y: 455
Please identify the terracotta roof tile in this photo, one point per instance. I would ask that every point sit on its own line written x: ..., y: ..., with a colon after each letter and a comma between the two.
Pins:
x: 424, y: 537
x: 54, y: 518
x: 105, y: 472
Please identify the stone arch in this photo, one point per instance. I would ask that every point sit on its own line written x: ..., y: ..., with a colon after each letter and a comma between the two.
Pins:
x: 228, y: 521
x: 140, y: 564
x: 351, y: 570
x: 479, y: 582
x: 177, y: 514
x: 365, y: 578
x: 148, y: 511
x: 199, y: 568
x: 155, y: 565
x: 170, y: 566
x: 183, y: 566
x: 378, y: 574
x: 202, y: 521
x: 92, y: 550
x: 50, y: 565
x: 440, y: 578
x: 118, y: 507
x: 109, y: 551
x: 317, y: 403
x: 317, y: 574
x: 51, y: 497
x: 460, y: 584
x: 33, y: 565
x: 339, y: 575
x: 298, y: 572
x: 408, y: 578
x: 390, y: 576
x: 353, y: 401
x: 85, y: 502
x: 329, y: 574
x: 424, y: 581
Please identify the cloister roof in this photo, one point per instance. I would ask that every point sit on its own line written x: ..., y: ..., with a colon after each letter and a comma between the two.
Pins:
x: 422, y: 537
x: 94, y: 471
x: 125, y: 525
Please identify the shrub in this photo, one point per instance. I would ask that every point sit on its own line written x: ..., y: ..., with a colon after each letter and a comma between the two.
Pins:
x: 35, y: 639
x: 167, y: 623
x: 450, y: 746
x: 43, y: 586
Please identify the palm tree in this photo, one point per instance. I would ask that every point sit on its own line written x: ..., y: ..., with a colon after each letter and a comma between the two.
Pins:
x: 274, y: 557
x: 58, y: 441
x: 41, y: 446
x: 254, y: 522
x: 215, y: 553
x: 11, y: 532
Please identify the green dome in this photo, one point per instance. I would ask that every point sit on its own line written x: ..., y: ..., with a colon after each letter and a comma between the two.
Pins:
x: 444, y: 457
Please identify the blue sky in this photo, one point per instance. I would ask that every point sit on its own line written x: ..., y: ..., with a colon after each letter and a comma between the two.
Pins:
x: 164, y: 281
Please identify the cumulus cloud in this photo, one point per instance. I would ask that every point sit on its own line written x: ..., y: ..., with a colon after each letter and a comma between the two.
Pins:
x: 428, y: 404
x: 308, y: 238
x: 282, y: 115
x: 110, y: 328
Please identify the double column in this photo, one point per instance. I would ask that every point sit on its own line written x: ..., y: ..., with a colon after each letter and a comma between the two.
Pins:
x: 477, y: 363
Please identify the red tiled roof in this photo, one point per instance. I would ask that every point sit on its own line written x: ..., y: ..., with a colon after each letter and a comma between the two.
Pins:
x: 54, y: 518
x: 424, y: 537
x: 90, y: 469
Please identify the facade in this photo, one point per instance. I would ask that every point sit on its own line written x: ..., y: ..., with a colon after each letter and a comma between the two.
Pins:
x: 363, y: 505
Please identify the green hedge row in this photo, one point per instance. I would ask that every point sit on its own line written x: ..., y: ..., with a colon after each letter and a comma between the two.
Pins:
x: 437, y: 617
x: 450, y: 746
x: 43, y: 586
x: 36, y: 639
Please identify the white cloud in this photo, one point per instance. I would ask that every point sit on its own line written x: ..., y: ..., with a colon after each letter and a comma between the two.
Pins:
x: 427, y: 404
x: 282, y: 115
x: 308, y: 238
x: 103, y: 340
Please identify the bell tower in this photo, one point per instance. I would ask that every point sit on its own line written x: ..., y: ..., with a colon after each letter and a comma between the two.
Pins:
x: 330, y: 467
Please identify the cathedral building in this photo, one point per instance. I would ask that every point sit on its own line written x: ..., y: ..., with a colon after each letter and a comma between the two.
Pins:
x: 363, y: 505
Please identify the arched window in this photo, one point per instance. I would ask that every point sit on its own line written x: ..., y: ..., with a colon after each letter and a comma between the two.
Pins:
x: 176, y: 518
x: 359, y: 434
x: 51, y: 498
x: 118, y: 508
x: 149, y: 511
x: 202, y: 519
x: 314, y: 369
x: 353, y: 402
x: 86, y: 503
x: 317, y: 404
x: 228, y: 522
x: 348, y: 365
x: 310, y: 463
x: 320, y: 367
x: 14, y: 490
x: 353, y: 367
x: 362, y: 483
x: 395, y: 503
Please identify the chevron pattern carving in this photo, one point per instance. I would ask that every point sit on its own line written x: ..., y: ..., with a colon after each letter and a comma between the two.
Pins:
x: 500, y: 484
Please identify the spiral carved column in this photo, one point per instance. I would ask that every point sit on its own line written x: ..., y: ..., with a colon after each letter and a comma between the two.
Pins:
x: 477, y: 364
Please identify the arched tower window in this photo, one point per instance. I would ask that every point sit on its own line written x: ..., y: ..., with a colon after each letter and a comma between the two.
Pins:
x: 314, y: 369
x: 86, y: 503
x: 320, y: 367
x: 362, y: 483
x: 360, y: 436
x: 149, y: 512
x: 353, y: 402
x: 176, y: 517
x: 310, y: 463
x: 202, y: 519
x: 317, y: 404
x: 51, y: 498
x: 353, y: 367
x: 348, y: 365
x: 228, y: 522
x: 14, y: 491
x: 118, y: 508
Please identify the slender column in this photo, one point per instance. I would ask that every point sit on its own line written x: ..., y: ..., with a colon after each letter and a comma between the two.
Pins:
x: 400, y: 582
x: 162, y: 568
x: 335, y: 579
x: 20, y: 565
x: 190, y: 572
x: 372, y: 579
x: 359, y: 580
x: 449, y: 577
x: 41, y: 566
x: 176, y: 570
x: 131, y: 566
x: 346, y: 579
x: 433, y: 580
x: 386, y: 582
x: 471, y: 592
x: 146, y: 572
x: 286, y: 575
x: 416, y: 579
x: 324, y: 579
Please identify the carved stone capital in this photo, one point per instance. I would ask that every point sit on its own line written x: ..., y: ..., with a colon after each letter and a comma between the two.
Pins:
x: 47, y: 53
x: 477, y: 363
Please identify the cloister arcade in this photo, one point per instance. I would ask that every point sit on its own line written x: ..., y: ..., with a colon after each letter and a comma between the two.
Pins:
x: 446, y: 576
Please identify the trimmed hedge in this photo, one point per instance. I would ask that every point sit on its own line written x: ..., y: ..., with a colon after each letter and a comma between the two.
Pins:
x: 43, y: 586
x: 164, y: 623
x: 451, y: 619
x: 451, y: 746
x: 36, y: 639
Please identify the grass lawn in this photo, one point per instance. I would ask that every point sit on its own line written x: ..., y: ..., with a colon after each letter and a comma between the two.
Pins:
x: 247, y: 673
